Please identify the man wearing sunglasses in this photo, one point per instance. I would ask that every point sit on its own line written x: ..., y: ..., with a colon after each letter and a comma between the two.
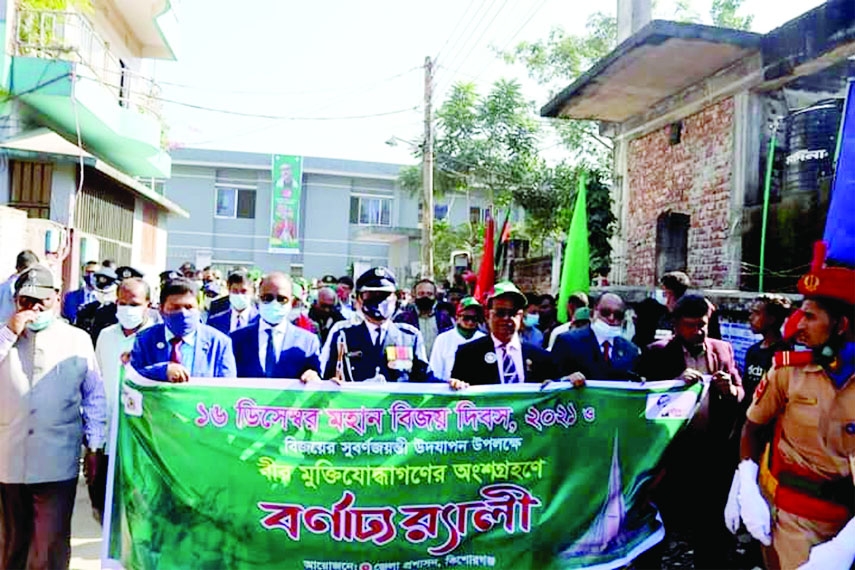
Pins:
x: 375, y: 348
x: 502, y: 357
x: 598, y: 352
x: 272, y: 346
x: 470, y: 314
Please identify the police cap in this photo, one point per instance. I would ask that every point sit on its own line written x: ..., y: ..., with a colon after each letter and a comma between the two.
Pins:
x: 377, y: 279
x: 127, y: 272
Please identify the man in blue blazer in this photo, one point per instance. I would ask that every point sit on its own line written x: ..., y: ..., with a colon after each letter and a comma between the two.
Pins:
x: 271, y: 346
x: 241, y: 312
x: 598, y: 352
x: 182, y: 347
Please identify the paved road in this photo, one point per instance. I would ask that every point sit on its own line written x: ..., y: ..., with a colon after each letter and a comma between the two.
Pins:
x: 85, y: 533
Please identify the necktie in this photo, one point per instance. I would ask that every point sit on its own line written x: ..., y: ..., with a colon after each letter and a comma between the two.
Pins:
x: 509, y: 369
x: 270, y: 356
x: 378, y: 338
x: 175, y: 353
x: 607, y: 352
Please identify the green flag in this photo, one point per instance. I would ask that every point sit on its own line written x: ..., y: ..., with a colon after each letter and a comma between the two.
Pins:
x: 575, y: 272
x: 262, y: 473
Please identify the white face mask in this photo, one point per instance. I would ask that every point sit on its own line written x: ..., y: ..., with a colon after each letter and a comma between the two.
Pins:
x: 604, y: 330
x: 130, y: 317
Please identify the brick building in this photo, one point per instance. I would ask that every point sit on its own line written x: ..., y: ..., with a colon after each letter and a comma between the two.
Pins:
x: 690, y: 109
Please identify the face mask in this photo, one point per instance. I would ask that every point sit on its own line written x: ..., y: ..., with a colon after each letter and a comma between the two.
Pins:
x: 604, y: 330
x: 380, y: 311
x: 43, y: 319
x: 239, y: 301
x: 531, y: 320
x: 424, y: 304
x: 183, y: 322
x: 89, y: 280
x: 130, y: 317
x: 466, y: 333
x: 273, y: 312
x: 106, y: 296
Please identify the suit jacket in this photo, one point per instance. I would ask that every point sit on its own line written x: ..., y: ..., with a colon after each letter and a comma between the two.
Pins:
x: 578, y: 351
x: 71, y: 303
x: 223, y: 320
x: 664, y: 359
x: 471, y: 363
x: 213, y: 357
x: 300, y: 352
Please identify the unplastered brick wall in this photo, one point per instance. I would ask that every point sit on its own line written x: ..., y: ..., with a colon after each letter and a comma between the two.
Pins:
x: 692, y: 177
x: 532, y: 275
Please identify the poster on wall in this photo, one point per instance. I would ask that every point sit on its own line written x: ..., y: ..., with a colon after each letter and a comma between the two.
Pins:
x: 285, y: 203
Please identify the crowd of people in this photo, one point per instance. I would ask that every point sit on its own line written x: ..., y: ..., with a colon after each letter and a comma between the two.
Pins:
x: 61, y: 359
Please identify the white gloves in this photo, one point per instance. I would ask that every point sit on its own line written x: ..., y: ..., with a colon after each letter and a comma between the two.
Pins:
x: 752, y: 506
x: 731, y: 509
x: 839, y: 552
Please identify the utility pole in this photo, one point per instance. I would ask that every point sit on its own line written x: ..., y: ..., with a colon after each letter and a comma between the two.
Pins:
x: 427, y: 178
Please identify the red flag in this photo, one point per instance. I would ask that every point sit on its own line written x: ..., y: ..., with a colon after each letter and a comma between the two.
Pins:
x: 487, y: 271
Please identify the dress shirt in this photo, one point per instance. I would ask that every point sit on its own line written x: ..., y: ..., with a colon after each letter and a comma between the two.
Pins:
x: 698, y: 362
x: 429, y: 330
x: 187, y: 348
x: 280, y: 331
x: 93, y: 405
x: 444, y: 351
x: 239, y: 319
x: 603, y: 339
x: 372, y: 332
x: 514, y: 348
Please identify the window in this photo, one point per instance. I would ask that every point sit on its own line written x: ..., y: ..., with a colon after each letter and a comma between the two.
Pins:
x: 370, y: 211
x: 235, y: 202
x: 478, y: 215
x: 672, y: 243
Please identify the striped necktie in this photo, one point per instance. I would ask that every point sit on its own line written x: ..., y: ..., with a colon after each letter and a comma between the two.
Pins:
x: 509, y: 369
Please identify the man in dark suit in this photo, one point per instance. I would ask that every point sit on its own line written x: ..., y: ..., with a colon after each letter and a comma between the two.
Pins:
x: 242, y: 311
x: 271, y: 346
x: 699, y: 462
x: 182, y: 346
x: 76, y: 299
x: 501, y: 357
x: 597, y: 352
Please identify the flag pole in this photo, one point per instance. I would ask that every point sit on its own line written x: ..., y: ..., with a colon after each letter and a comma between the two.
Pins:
x: 767, y: 187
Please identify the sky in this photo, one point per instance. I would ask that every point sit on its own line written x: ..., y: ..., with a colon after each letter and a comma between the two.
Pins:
x: 344, y: 78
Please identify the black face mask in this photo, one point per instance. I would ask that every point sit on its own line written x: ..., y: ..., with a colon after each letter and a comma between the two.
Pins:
x: 424, y: 304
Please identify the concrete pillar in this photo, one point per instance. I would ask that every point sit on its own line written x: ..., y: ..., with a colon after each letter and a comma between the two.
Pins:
x: 632, y: 15
x: 747, y: 136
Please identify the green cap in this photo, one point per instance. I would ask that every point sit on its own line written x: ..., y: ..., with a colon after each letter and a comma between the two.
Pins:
x: 467, y: 302
x: 582, y: 314
x: 506, y: 288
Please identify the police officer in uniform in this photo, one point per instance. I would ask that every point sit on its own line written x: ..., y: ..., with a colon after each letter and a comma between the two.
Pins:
x: 806, y: 474
x: 376, y: 348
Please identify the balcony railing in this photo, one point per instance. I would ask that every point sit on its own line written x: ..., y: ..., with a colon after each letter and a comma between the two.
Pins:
x: 69, y: 36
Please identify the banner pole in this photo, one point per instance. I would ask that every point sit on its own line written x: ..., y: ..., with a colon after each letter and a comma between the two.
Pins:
x: 770, y: 160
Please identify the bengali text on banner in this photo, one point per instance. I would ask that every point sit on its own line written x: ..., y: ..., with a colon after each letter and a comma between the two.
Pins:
x: 256, y: 473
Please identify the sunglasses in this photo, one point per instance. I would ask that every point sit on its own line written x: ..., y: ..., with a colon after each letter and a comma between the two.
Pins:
x: 505, y: 313
x: 608, y: 313
x: 469, y: 318
x: 269, y: 298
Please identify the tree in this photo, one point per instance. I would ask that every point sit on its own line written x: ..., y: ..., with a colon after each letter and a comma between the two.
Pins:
x: 723, y: 13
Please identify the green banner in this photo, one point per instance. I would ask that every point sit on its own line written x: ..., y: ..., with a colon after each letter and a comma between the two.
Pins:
x: 255, y: 473
x: 287, y: 185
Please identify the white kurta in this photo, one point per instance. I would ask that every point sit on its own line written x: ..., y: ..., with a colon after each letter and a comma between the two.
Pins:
x: 112, y: 344
x: 444, y: 350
